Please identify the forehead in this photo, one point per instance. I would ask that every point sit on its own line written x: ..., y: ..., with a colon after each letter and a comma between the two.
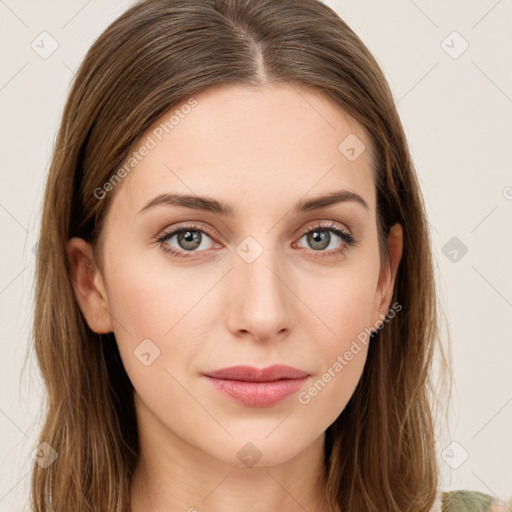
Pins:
x: 265, y: 143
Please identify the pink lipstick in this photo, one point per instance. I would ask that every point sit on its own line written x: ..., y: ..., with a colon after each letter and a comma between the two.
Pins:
x: 255, y: 387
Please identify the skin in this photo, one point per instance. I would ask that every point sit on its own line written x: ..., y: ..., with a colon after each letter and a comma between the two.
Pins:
x: 260, y: 149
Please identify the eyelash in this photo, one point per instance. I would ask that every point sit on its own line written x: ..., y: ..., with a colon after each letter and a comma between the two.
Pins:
x: 346, y: 236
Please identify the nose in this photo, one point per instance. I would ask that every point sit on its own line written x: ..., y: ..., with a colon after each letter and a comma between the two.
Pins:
x: 261, y: 303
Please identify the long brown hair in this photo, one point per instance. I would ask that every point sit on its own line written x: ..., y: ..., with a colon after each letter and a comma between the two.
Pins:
x: 380, y: 452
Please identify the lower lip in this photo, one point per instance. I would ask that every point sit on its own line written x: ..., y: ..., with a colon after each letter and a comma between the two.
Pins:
x: 258, y: 394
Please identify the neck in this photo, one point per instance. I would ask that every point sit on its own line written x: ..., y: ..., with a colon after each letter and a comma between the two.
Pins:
x: 174, y: 475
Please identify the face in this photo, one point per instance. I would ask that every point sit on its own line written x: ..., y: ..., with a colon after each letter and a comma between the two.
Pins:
x: 266, y: 281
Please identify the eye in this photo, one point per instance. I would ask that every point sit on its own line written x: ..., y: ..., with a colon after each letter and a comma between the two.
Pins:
x: 191, y: 238
x: 188, y: 239
x: 319, y: 239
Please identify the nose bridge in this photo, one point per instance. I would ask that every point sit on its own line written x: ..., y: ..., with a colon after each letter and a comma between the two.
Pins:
x: 261, y: 304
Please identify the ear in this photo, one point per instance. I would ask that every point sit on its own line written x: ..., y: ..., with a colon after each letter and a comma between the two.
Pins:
x: 88, y: 286
x: 388, y: 273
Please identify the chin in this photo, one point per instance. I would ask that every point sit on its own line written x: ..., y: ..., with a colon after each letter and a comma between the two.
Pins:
x: 259, y: 449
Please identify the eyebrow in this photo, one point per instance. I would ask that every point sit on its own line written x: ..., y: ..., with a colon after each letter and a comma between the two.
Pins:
x: 228, y: 209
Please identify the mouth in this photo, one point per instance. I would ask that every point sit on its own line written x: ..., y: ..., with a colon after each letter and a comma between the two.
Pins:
x: 255, y: 387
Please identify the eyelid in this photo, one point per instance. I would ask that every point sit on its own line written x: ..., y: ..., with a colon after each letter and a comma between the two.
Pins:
x: 327, y: 225
x: 184, y: 226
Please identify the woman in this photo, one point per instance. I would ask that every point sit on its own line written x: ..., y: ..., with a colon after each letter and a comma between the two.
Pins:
x: 235, y: 301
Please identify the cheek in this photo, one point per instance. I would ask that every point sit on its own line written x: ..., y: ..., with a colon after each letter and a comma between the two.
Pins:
x: 158, y: 311
x: 152, y: 313
x: 345, y: 308
x: 149, y: 300
x: 342, y: 352
x: 342, y: 302
x: 329, y: 392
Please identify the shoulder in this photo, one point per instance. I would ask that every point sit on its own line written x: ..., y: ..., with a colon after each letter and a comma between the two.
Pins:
x: 471, y: 501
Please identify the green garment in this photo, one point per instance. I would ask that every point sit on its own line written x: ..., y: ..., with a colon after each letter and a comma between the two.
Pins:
x: 470, y: 501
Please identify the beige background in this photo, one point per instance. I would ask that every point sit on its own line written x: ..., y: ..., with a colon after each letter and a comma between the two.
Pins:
x: 456, y: 107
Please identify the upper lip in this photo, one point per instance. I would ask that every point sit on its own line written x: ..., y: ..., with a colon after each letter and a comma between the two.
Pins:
x: 252, y: 374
